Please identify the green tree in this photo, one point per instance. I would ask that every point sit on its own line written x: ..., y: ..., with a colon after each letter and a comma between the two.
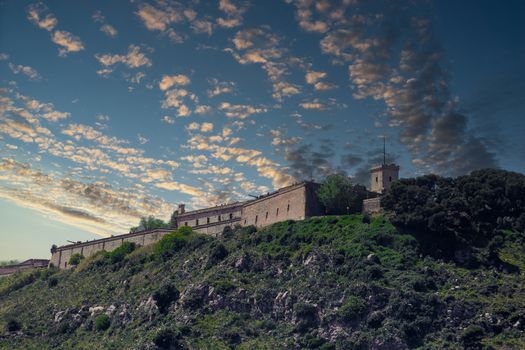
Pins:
x: 149, y: 223
x: 339, y: 196
x: 75, y: 259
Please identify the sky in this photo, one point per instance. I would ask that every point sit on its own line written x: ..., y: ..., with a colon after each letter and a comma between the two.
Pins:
x: 115, y: 110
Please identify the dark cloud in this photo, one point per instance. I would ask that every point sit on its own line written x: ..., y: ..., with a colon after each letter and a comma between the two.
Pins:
x: 394, y: 56
x: 307, y: 162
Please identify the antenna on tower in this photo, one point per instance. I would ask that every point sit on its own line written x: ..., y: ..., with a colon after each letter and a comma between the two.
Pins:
x: 384, y: 150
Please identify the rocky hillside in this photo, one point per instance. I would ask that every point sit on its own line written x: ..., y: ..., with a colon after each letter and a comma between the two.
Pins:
x: 347, y: 282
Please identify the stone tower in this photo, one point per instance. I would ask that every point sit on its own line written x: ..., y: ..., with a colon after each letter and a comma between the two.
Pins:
x: 383, y: 175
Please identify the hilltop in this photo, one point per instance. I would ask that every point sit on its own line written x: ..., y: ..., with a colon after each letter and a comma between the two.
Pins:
x: 329, y: 283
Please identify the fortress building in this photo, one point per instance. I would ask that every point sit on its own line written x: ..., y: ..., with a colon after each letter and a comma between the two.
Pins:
x: 295, y: 202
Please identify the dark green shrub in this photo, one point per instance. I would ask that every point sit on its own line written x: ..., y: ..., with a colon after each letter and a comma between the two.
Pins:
x: 75, y: 259
x: 218, y: 252
x: 353, y: 308
x: 165, y: 295
x: 185, y: 230
x: 118, y: 254
x: 52, y: 282
x: 102, y: 322
x: 166, y: 338
x: 306, y: 315
x: 172, y: 242
x: 472, y: 334
x: 366, y: 218
x: 227, y: 232
x: 13, y: 325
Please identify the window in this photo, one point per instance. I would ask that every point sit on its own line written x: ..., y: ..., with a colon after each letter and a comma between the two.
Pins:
x: 207, y: 220
x: 288, y: 208
x: 65, y: 264
x: 277, y: 212
x: 219, y: 218
x: 376, y: 179
x: 390, y: 179
x: 266, y: 215
x: 196, y: 222
x: 231, y: 216
x: 256, y: 217
x: 186, y: 223
x: 245, y: 221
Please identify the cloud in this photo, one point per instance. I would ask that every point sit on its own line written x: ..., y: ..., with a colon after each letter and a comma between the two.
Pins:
x: 94, y: 207
x: 202, y: 26
x: 220, y: 87
x: 133, y: 59
x: 142, y: 139
x: 240, y: 111
x: 168, y: 120
x: 168, y: 81
x: 158, y: 19
x: 109, y: 30
x: 55, y: 116
x: 26, y: 70
x: 260, y: 46
x: 68, y: 41
x: 396, y: 58
x: 234, y: 14
x: 202, y: 109
x: 35, y: 13
x: 105, y: 28
x: 315, y: 104
x: 204, y: 127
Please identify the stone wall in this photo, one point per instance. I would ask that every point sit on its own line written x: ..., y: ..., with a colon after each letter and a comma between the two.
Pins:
x: 60, y: 257
x: 295, y: 202
x: 372, y: 205
x: 289, y: 203
x: 28, y: 264
x: 211, y: 220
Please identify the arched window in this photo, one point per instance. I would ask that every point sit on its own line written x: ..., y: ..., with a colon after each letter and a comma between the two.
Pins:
x: 196, y: 222
x: 277, y: 212
x: 231, y: 216
x: 207, y: 220
x: 266, y: 215
x: 256, y: 217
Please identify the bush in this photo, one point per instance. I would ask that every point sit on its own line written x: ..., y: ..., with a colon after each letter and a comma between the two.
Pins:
x: 102, y: 322
x: 172, y: 242
x: 218, y: 252
x: 353, y: 308
x: 118, y: 254
x: 472, y: 335
x: 13, y: 325
x: 166, y: 338
x: 52, y: 282
x: 74, y: 260
x: 165, y: 295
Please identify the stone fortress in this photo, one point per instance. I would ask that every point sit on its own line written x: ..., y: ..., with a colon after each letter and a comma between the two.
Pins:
x: 295, y: 202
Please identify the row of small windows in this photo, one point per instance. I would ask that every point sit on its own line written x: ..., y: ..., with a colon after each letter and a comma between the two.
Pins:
x: 219, y: 219
x: 276, y: 214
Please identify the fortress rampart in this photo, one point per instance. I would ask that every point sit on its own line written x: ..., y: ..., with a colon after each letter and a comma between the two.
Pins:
x: 294, y: 202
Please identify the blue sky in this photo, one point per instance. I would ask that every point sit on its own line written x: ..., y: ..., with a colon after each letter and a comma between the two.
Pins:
x: 111, y: 111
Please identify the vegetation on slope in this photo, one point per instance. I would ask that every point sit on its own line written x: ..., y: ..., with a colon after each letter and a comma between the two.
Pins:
x: 343, y: 282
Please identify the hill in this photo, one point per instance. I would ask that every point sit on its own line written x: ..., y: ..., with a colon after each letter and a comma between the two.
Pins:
x: 346, y: 282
